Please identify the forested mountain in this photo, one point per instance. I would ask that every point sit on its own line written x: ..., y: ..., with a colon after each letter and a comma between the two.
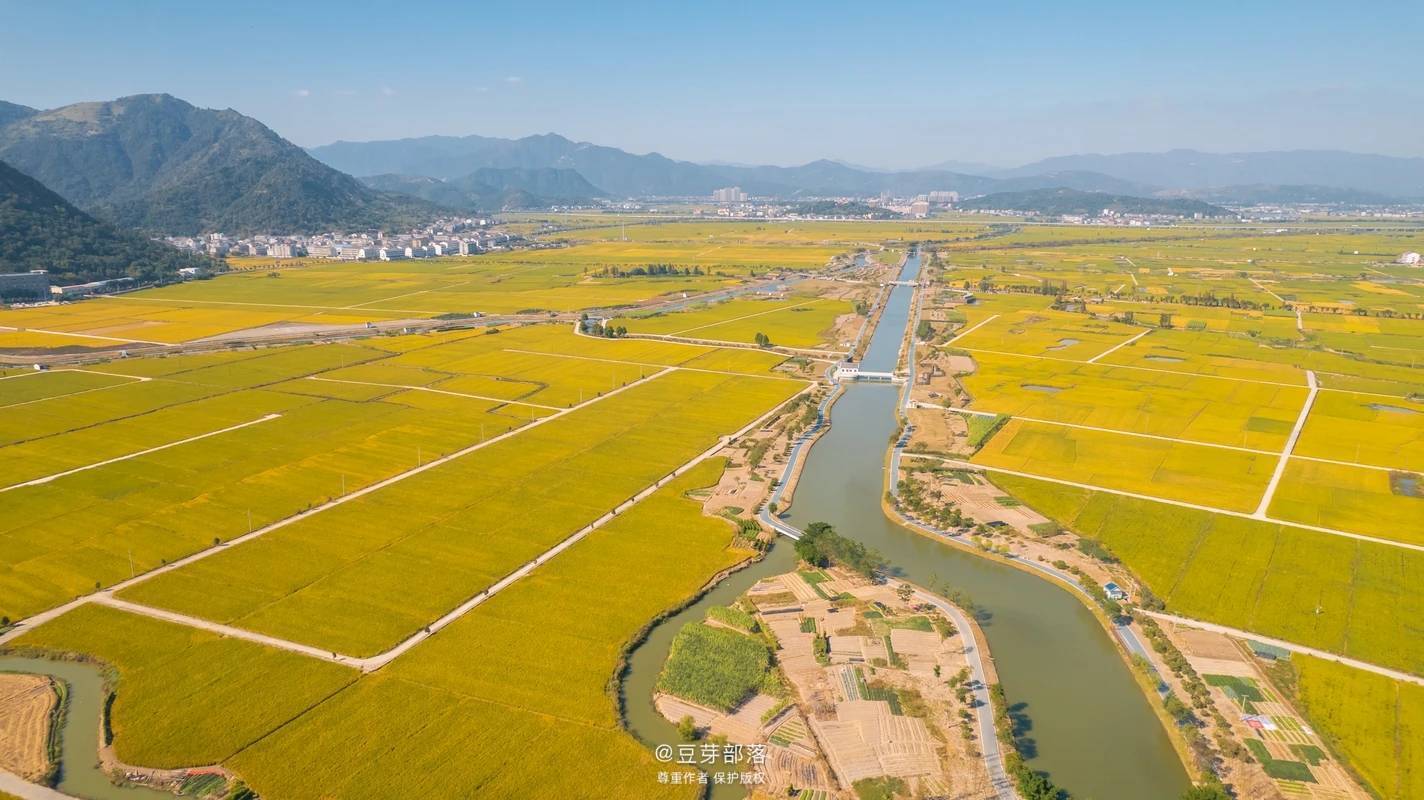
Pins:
x: 1059, y: 201
x: 40, y: 230
x: 158, y: 163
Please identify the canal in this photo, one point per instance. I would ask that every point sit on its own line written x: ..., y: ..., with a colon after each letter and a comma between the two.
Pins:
x: 1081, y: 716
x: 80, y: 775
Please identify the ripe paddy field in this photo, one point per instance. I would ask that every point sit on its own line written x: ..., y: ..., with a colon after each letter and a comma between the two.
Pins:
x: 1240, y: 420
x: 391, y: 479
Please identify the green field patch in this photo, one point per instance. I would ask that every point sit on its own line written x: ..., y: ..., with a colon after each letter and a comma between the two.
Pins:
x: 714, y: 667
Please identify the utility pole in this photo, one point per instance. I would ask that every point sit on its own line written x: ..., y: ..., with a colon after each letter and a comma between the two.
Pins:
x: 249, y: 520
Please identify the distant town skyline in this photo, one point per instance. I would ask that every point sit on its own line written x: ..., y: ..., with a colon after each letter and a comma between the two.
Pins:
x: 886, y: 86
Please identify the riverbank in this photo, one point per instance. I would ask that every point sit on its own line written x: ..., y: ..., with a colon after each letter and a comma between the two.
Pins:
x: 1092, y: 730
x: 988, y: 531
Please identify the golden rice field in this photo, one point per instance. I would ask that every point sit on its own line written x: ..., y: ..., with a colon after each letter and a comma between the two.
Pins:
x: 1319, y: 267
x: 340, y: 580
x: 185, y: 697
x: 1220, y: 383
x: 345, y: 421
x: 1357, y: 598
x: 1365, y: 429
x: 1195, y: 408
x: 536, y: 692
x: 1229, y: 479
x: 1348, y: 498
x: 797, y: 321
x: 1375, y: 722
x: 1047, y: 334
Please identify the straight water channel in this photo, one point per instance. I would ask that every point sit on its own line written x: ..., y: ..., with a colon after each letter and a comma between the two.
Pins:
x: 1082, y: 717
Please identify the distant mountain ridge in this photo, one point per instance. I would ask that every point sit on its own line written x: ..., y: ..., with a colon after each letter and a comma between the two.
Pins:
x: 623, y: 174
x: 41, y: 230
x: 9, y: 112
x: 158, y: 163
x: 1061, y: 201
x: 1256, y: 177
x: 1192, y: 170
x: 493, y: 189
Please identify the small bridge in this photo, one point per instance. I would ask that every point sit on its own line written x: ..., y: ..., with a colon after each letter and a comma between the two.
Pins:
x: 853, y: 372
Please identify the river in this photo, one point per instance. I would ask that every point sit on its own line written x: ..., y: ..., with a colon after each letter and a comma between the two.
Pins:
x: 80, y: 774
x: 1082, y: 716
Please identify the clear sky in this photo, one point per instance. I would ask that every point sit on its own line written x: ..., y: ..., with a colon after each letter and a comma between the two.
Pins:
x: 891, y: 84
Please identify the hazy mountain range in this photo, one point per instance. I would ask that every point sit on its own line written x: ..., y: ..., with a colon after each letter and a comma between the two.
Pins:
x: 159, y: 164
x: 1191, y: 170
x: 493, y: 188
x: 622, y: 174
x: 1287, y: 176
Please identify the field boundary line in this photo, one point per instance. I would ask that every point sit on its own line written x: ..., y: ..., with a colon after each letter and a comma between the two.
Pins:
x: 85, y: 336
x: 409, y: 294
x: 133, y: 378
x: 1117, y: 347
x: 1289, y: 448
x: 976, y: 326
x: 920, y: 404
x: 738, y: 319
x: 957, y: 463
x: 42, y: 617
x: 722, y: 344
x: 375, y: 662
x: 1288, y: 645
x: 436, y: 391
x: 974, y: 412
x: 106, y: 598
x: 255, y: 305
x: 656, y: 366
x: 116, y: 459
x: 379, y: 660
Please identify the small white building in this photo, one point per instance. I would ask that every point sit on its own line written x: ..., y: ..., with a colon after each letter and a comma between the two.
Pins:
x: 1412, y: 259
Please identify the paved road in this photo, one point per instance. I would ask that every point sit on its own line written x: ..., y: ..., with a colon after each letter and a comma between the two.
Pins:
x: 1291, y: 646
x: 1289, y: 448
x: 20, y: 787
x: 983, y: 705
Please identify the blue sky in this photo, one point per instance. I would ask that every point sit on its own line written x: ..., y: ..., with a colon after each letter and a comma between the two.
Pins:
x: 894, y: 84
